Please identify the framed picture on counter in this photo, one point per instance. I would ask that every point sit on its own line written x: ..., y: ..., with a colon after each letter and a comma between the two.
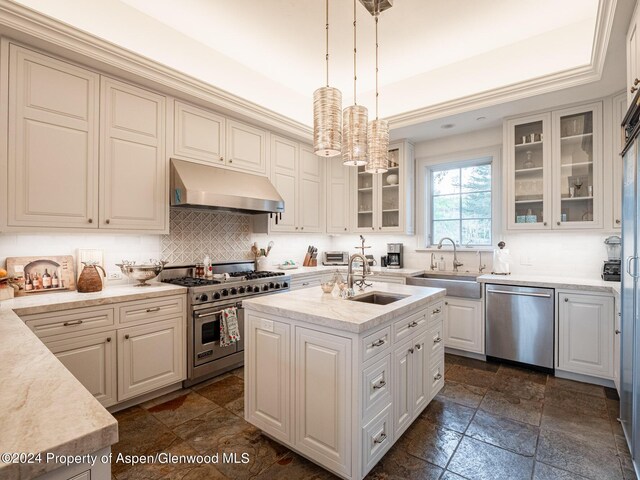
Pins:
x: 42, y: 274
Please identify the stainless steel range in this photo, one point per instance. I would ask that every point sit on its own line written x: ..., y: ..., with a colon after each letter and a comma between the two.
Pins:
x: 206, y: 299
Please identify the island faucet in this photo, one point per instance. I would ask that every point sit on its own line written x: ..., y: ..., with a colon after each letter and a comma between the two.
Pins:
x: 456, y: 263
x: 365, y: 268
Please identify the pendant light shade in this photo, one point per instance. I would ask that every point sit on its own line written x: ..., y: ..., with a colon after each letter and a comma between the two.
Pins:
x: 378, y: 140
x: 327, y: 122
x: 354, y: 136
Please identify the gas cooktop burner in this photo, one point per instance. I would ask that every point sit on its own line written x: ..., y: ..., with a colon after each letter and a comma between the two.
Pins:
x: 191, y: 281
x: 253, y: 275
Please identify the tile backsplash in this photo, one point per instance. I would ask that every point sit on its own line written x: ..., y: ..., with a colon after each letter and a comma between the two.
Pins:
x: 195, y: 233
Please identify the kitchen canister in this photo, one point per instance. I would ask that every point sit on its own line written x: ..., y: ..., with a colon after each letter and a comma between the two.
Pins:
x: 262, y: 263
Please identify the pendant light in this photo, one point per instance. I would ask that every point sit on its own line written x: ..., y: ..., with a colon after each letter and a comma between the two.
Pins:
x: 378, y: 131
x: 327, y: 109
x: 354, y: 120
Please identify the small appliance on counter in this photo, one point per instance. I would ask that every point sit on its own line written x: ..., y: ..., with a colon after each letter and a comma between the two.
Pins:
x: 611, y: 267
x: 336, y: 258
x: 394, y: 255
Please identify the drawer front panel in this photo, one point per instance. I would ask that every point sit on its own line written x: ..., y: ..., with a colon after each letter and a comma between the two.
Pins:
x: 377, y: 438
x: 376, y: 387
x: 437, y: 378
x: 376, y: 343
x: 435, y: 341
x: 70, y: 321
x: 436, y: 312
x: 406, y: 327
x: 151, y: 310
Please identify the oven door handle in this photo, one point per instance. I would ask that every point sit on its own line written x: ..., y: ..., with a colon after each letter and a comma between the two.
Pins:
x: 218, y: 312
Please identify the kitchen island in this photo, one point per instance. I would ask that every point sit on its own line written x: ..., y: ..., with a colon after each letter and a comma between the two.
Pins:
x: 339, y: 381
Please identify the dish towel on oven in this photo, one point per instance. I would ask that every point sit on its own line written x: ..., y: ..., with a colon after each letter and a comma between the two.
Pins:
x: 229, y: 331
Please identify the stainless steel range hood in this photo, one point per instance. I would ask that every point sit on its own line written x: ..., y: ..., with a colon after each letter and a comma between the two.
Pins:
x: 202, y: 186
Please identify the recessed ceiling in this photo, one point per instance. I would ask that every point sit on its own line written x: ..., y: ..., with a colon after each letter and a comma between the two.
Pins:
x: 272, y: 52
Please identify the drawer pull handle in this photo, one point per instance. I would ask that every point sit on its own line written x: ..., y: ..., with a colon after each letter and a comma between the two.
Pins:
x: 154, y: 309
x: 380, y: 384
x: 305, y: 284
x: 436, y: 311
x: 126, y: 337
x: 69, y: 324
x: 418, y: 346
x: 566, y: 299
x: 617, y: 332
x: 411, y: 350
x: 108, y: 339
x: 438, y: 376
x: 381, y: 438
x: 378, y: 343
x: 412, y: 324
x: 437, y: 340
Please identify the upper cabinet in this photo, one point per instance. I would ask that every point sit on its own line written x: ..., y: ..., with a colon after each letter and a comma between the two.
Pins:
x: 208, y: 137
x: 633, y: 56
x: 85, y: 151
x: 298, y: 175
x: 53, y: 142
x: 384, y: 202
x: 553, y: 170
x: 338, y: 195
x: 619, y: 111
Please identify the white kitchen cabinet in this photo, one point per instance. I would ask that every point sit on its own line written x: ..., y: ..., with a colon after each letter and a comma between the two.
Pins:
x: 553, y: 170
x: 382, y: 278
x: 206, y: 136
x: 633, y: 56
x: 150, y: 356
x: 267, y: 360
x: 323, y: 397
x: 133, y: 166
x: 338, y: 196
x: 463, y: 325
x: 403, y: 391
x: 616, y: 347
x: 619, y: 111
x: 53, y: 142
x: 92, y: 360
x: 382, y: 203
x: 298, y: 175
x: 586, y: 331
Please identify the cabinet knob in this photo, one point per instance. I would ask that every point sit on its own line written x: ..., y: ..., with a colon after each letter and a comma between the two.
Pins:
x: 557, y: 223
x: 617, y: 221
x: 345, y: 229
x: 446, y: 303
x: 566, y: 299
x: 411, y: 350
x: 438, y: 376
x: 90, y: 220
x: 222, y: 159
x: 301, y: 228
x: 379, y: 385
x: 379, y: 228
x: 617, y: 332
x: 633, y: 89
x: 437, y: 340
x: 373, y: 228
x: 231, y: 160
x: 418, y: 346
x: 108, y: 339
x: 636, y: 81
x: 296, y: 228
x: 107, y: 221
x: 544, y: 223
x: 126, y: 337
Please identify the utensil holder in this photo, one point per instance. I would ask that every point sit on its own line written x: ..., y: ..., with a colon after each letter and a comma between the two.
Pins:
x: 262, y: 264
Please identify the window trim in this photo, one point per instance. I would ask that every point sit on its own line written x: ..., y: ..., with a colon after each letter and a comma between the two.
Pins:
x: 424, y: 168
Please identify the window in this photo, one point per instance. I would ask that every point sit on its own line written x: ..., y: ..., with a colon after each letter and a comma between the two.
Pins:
x: 460, y: 199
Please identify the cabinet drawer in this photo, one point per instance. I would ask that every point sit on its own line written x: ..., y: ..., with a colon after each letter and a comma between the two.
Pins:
x: 70, y: 321
x: 150, y: 310
x: 436, y: 312
x: 377, y: 438
x: 376, y: 343
x: 406, y: 327
x: 376, y: 387
x: 306, y: 282
x: 437, y: 377
x: 436, y: 341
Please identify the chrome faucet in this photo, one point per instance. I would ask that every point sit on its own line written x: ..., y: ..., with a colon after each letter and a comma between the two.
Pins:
x: 481, y: 267
x: 433, y: 261
x: 365, y: 269
x: 456, y: 263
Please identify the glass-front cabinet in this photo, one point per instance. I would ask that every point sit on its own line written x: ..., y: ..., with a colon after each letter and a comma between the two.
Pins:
x: 554, y: 169
x: 383, y: 201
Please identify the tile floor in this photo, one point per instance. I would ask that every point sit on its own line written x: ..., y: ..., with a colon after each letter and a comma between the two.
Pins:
x: 490, y: 421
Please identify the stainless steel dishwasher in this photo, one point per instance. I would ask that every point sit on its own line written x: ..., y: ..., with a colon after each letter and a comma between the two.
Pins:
x: 520, y: 324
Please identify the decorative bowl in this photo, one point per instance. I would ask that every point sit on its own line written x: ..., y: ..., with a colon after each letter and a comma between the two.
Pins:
x: 392, y: 179
x: 142, y: 272
x: 328, y: 286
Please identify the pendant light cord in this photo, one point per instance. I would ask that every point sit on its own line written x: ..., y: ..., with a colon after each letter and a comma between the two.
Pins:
x: 355, y: 76
x: 326, y: 8
x: 376, y: 62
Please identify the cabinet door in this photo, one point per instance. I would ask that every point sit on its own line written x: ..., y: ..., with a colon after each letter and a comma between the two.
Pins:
x: 246, y: 147
x: 390, y: 189
x: 463, y: 325
x: 323, y: 398
x: 528, y: 172
x: 616, y: 347
x: 284, y: 159
x: 53, y: 142
x: 403, y: 387
x: 421, y: 384
x: 133, y: 167
x: 338, y: 188
x: 633, y: 54
x: 619, y: 111
x: 150, y: 356
x: 92, y: 360
x: 268, y: 366
x: 585, y: 334
x: 577, y: 167
x: 198, y: 134
x: 311, y: 191
x: 365, y: 201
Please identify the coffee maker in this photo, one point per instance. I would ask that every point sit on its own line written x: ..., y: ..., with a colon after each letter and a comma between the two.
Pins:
x: 611, y: 267
x: 394, y: 255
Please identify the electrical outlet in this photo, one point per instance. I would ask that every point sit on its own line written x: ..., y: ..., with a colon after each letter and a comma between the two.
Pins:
x: 525, y: 260
x: 114, y: 276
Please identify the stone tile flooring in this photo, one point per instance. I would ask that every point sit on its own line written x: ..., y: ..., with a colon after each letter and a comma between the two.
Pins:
x: 490, y: 421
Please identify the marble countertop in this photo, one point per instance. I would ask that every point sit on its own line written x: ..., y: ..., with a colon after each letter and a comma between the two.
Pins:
x: 43, y: 408
x: 304, y: 271
x: 311, y: 305
x: 553, y: 281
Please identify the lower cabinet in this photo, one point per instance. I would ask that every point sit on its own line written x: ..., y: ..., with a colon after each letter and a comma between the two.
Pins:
x: 149, y: 357
x: 463, y: 325
x: 586, y: 331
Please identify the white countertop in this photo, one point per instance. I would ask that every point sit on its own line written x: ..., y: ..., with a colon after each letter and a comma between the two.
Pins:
x: 43, y: 408
x: 303, y: 271
x: 553, y: 281
x: 311, y: 305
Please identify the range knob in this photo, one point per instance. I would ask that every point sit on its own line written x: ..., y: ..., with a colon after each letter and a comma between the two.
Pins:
x: 277, y: 285
x: 272, y: 285
x: 256, y: 289
x: 241, y: 290
x: 216, y: 295
x: 234, y: 291
x: 265, y: 288
x: 202, y: 298
x: 225, y: 292
x: 285, y: 285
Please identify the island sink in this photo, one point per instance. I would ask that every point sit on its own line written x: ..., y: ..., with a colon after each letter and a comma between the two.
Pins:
x: 377, y: 298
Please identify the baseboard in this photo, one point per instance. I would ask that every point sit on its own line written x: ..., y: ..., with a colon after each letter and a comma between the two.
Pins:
x: 462, y: 353
x: 578, y: 377
x: 144, y: 398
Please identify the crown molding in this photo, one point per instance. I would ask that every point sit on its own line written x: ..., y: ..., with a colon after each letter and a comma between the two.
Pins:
x: 30, y: 26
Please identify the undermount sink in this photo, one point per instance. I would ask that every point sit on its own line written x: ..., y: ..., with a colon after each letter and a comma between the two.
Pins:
x: 462, y: 285
x: 378, y: 298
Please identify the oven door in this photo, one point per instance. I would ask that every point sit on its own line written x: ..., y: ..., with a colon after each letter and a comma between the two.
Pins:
x: 206, y: 339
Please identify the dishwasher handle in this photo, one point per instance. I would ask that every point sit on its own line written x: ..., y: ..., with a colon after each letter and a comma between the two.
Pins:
x: 522, y: 294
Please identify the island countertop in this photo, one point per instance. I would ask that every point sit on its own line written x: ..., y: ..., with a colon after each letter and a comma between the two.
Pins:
x: 313, y: 306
